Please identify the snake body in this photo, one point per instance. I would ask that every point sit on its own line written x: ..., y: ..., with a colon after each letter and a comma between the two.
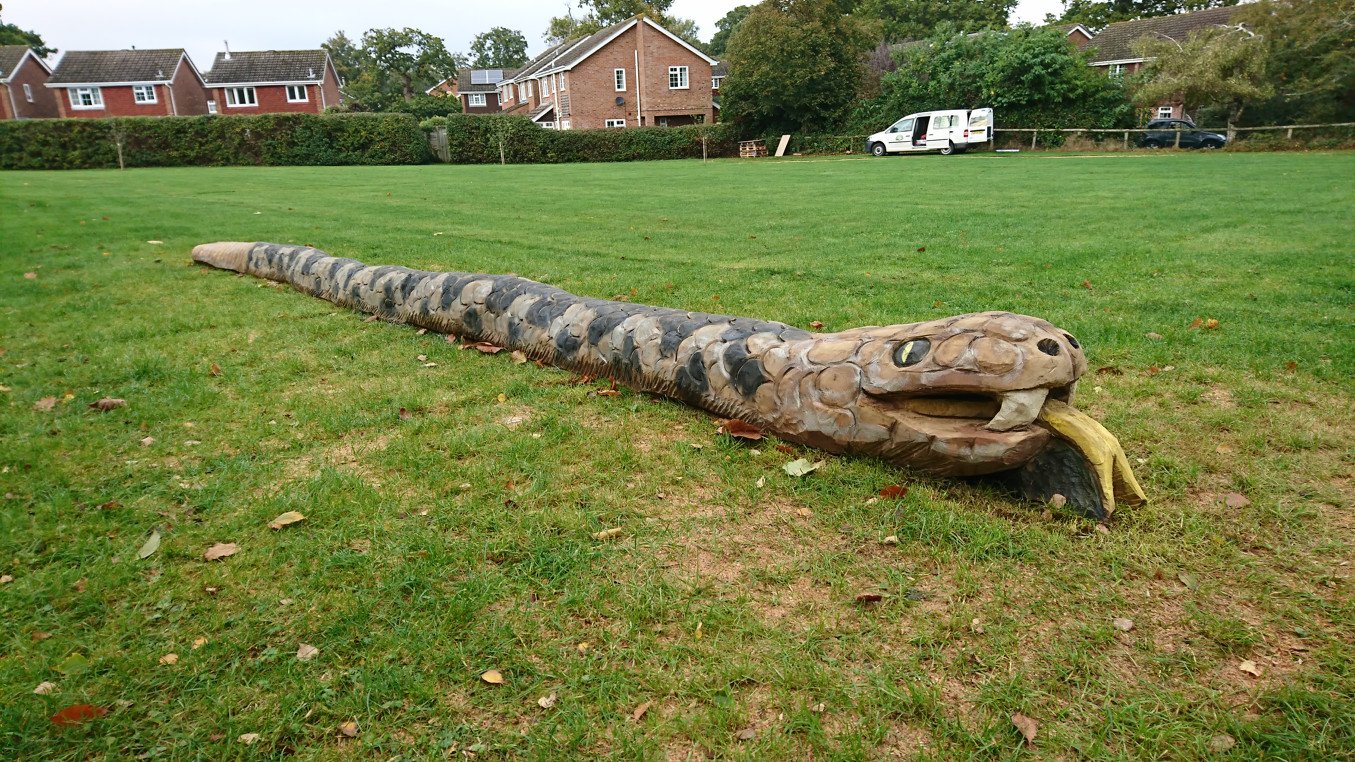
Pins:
x: 957, y: 396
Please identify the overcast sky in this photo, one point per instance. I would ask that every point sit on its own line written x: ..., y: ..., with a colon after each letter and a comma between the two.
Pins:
x: 201, y: 26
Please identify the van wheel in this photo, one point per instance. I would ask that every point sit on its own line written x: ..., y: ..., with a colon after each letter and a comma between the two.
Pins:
x: 948, y: 150
x: 878, y: 149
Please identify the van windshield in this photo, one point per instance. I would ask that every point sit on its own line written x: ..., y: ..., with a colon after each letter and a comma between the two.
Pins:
x: 903, y: 125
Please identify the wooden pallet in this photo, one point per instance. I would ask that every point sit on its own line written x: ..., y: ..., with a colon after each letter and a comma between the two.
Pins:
x: 752, y: 149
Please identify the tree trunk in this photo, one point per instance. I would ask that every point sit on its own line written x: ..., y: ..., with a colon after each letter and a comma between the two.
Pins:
x: 1234, y: 116
x: 408, y: 87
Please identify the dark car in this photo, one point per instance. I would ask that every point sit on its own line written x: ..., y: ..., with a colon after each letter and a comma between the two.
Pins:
x: 1162, y: 134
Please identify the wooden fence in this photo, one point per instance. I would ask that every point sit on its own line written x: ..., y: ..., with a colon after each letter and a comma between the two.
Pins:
x: 1231, y: 131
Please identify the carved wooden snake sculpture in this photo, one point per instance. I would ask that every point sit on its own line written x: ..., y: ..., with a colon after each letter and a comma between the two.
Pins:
x: 963, y: 396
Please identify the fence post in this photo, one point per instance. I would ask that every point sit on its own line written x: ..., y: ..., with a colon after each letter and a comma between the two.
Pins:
x: 1126, y: 140
x: 1289, y: 134
x: 1033, y: 134
x: 1178, y: 137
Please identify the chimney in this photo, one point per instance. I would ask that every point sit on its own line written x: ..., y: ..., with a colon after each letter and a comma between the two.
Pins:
x: 312, y: 72
x: 228, y: 48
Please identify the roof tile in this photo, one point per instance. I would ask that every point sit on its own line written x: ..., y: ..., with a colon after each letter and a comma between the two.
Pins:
x: 95, y: 66
x: 1116, y: 42
x: 258, y: 66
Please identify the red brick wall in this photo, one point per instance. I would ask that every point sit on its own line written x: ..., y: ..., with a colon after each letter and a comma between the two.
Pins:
x: 330, y: 85
x: 190, y: 94
x: 44, y: 100
x: 118, y: 101
x: 1078, y: 38
x: 272, y: 99
x: 593, y: 93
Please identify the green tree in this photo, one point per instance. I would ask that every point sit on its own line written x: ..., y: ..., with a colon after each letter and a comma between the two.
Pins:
x: 346, y: 55
x: 1309, y: 44
x: 13, y: 35
x: 410, y: 58
x: 794, y: 66
x: 1220, y: 67
x: 499, y: 48
x: 1030, y: 77
x: 724, y: 28
x: 917, y: 19
x: 1097, y: 13
x: 597, y: 14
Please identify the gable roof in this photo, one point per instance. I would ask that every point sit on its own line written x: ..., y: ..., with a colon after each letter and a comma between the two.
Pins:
x: 1115, y: 43
x: 464, y: 84
x: 92, y: 67
x: 253, y: 67
x: 720, y: 69
x: 12, y: 57
x: 568, y: 54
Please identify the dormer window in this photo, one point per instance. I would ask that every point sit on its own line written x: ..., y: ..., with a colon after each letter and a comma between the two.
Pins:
x: 715, y: 82
x: 475, y: 99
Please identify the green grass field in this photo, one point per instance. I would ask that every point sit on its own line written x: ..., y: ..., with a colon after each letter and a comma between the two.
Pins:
x: 451, y: 502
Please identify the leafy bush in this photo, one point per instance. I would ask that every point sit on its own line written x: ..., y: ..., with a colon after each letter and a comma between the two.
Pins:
x: 479, y: 138
x: 266, y: 139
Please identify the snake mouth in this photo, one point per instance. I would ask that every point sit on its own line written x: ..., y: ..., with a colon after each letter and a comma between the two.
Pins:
x: 995, y: 411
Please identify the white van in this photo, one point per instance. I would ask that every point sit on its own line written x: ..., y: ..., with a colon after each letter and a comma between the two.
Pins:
x: 949, y: 132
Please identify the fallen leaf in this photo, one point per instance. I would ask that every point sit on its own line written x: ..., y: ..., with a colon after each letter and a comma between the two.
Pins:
x: 816, y: 325
x: 1109, y: 370
x: 74, y: 715
x: 5, y: 579
x: 1188, y: 580
x: 152, y: 545
x: 1087, y: 284
x: 1291, y: 366
x: 306, y: 652
x: 286, y: 519
x: 502, y: 397
x: 546, y: 702
x: 147, y: 441
x: 45, y: 689
x: 1234, y: 500
x: 740, y: 429
x: 761, y: 482
x: 155, y: 242
x: 492, y: 676
x: 1221, y: 743
x: 1211, y: 324
x: 640, y: 711
x: 214, y: 369
x: 801, y: 467
x: 1153, y: 370
x: 785, y: 449
x: 1027, y: 725
x: 1153, y: 335
x: 349, y: 729
x: 107, y: 403
x: 818, y: 708
x: 199, y: 643
x: 1224, y: 449
x: 892, y: 539
x: 1057, y: 500
x: 869, y: 597
x: 484, y: 346
x: 39, y: 635
x: 607, y: 534
x: 607, y: 393
x: 519, y: 357
x: 1122, y: 624
x: 404, y: 414
x: 45, y: 404
x: 921, y: 249
x: 110, y: 505
x: 72, y: 665
x: 31, y: 276
x: 747, y: 734
x: 894, y: 492
x: 1196, y: 323
x: 221, y: 550
x: 1250, y: 668
x: 169, y: 659
x: 248, y: 738
x: 1101, y: 529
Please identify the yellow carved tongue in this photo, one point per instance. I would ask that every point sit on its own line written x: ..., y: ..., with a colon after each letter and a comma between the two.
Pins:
x: 1100, y: 448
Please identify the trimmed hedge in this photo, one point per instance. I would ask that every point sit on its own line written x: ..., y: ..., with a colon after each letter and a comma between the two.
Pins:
x: 477, y: 138
x: 266, y: 139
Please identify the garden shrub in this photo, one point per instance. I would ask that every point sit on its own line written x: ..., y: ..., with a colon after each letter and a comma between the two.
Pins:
x: 477, y: 138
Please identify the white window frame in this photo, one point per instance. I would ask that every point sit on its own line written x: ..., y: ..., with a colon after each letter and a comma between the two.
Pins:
x: 28, y: 92
x: 522, y: 91
x: 530, y: 93
x: 211, y: 107
x: 77, y: 98
x: 1170, y: 112
x: 234, y: 99
x: 476, y: 99
x: 564, y: 80
x: 548, y: 125
x: 715, y: 82
x: 144, y: 95
x: 619, y: 80
x: 564, y: 125
x: 546, y: 88
x: 305, y: 94
x: 678, y: 74
x: 1117, y: 70
x: 615, y: 124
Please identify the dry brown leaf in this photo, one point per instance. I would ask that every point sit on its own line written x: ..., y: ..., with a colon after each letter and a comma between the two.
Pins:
x: 199, y: 643
x: 31, y: 275
x: 214, y: 370
x: 640, y: 711
x: 1122, y: 624
x: 519, y: 357
x: 1027, y: 725
x: 45, y: 689
x: 45, y: 404
x: 607, y: 534
x: 894, y: 492
x: 607, y: 393
x: 1087, y: 284
x: 74, y: 715
x: 306, y: 652
x: 80, y: 584
x: 1250, y: 668
x: 349, y: 729
x: 1211, y: 324
x: 740, y: 429
x: 502, y: 398
x: 546, y: 702
x: 747, y: 734
x: 1221, y: 743
x: 248, y: 738
x: 147, y: 441
x: 107, y: 403
x: 1153, y: 336
x: 1196, y: 323
x: 5, y: 579
x: 1224, y: 449
x: 816, y: 325
x: 286, y: 519
x: 869, y: 597
x: 492, y: 676
x: 761, y: 482
x: 1057, y: 500
x: 169, y: 659
x: 221, y: 550
x: 892, y: 539
x: 1234, y: 500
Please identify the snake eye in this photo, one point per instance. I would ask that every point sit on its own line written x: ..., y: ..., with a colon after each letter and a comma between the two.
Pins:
x: 911, y: 352
x: 1048, y: 346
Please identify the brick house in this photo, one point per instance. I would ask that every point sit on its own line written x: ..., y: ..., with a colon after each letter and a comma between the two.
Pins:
x: 478, y: 89
x: 273, y: 81
x: 634, y: 73
x: 718, y: 72
x: 1113, y: 49
x: 23, y: 80
x: 102, y: 83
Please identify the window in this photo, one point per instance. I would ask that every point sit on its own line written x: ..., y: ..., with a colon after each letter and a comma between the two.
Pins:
x: 529, y: 89
x: 211, y: 107
x: 28, y: 92
x: 1164, y: 112
x: 616, y: 122
x: 677, y: 77
x: 241, y: 96
x: 297, y: 94
x: 86, y: 97
x: 564, y: 80
x: 548, y: 125
x: 522, y: 91
x: 663, y: 121
x: 715, y: 82
x: 1117, y: 70
x: 475, y: 99
x: 545, y: 87
x: 619, y: 76
x: 564, y: 125
x: 143, y: 93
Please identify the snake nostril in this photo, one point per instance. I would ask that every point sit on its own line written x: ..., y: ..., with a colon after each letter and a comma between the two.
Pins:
x: 1049, y: 347
x: 1072, y: 341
